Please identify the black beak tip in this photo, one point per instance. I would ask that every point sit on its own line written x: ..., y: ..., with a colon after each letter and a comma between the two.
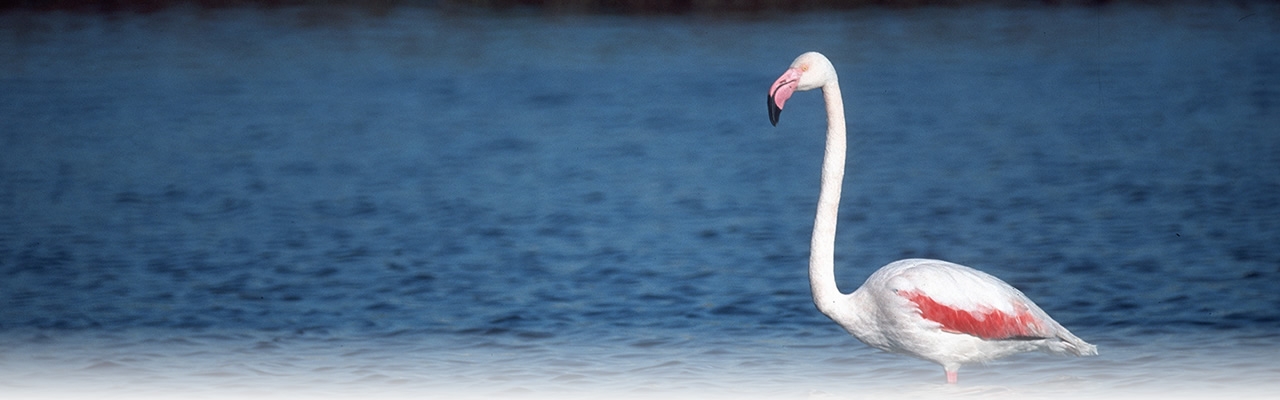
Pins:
x: 774, y: 111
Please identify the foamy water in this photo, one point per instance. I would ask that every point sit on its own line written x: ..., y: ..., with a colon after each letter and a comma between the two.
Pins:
x: 328, y: 202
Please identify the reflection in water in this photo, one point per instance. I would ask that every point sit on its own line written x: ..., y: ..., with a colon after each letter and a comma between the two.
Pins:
x: 247, y: 202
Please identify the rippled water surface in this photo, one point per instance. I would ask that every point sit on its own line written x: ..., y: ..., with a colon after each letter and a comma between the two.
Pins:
x: 337, y: 202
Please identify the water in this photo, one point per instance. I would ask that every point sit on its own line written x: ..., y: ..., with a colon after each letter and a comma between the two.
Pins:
x: 332, y: 202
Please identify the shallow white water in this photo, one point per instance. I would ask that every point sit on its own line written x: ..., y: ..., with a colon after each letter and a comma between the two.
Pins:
x: 649, y: 366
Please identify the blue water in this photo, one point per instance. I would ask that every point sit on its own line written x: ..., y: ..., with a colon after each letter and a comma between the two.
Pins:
x: 340, y: 202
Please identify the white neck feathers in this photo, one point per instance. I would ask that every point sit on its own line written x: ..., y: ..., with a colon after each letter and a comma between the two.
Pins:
x: 822, y: 246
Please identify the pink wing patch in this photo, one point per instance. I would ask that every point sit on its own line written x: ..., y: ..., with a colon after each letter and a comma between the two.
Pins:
x: 986, y: 324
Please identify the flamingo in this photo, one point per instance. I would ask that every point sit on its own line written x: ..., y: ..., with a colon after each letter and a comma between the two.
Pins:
x: 934, y: 310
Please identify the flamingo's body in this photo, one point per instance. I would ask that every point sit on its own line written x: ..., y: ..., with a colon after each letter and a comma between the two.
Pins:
x: 930, y: 309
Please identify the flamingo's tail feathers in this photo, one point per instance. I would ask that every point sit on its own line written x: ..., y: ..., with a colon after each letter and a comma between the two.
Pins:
x: 1068, y: 344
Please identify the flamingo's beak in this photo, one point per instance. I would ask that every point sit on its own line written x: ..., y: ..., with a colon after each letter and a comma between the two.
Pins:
x: 781, y: 91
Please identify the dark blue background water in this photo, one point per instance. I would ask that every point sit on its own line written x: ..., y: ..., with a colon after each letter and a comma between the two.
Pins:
x: 532, y: 203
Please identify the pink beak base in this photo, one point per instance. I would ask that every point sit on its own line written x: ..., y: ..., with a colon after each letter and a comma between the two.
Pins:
x: 781, y: 91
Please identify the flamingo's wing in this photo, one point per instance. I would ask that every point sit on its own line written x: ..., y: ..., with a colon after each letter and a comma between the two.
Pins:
x: 990, y: 324
x: 964, y: 300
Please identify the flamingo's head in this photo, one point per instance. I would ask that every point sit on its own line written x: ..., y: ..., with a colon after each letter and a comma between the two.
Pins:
x: 810, y: 71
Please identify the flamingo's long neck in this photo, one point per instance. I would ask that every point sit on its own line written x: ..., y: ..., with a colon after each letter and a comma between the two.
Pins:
x: 822, y: 279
